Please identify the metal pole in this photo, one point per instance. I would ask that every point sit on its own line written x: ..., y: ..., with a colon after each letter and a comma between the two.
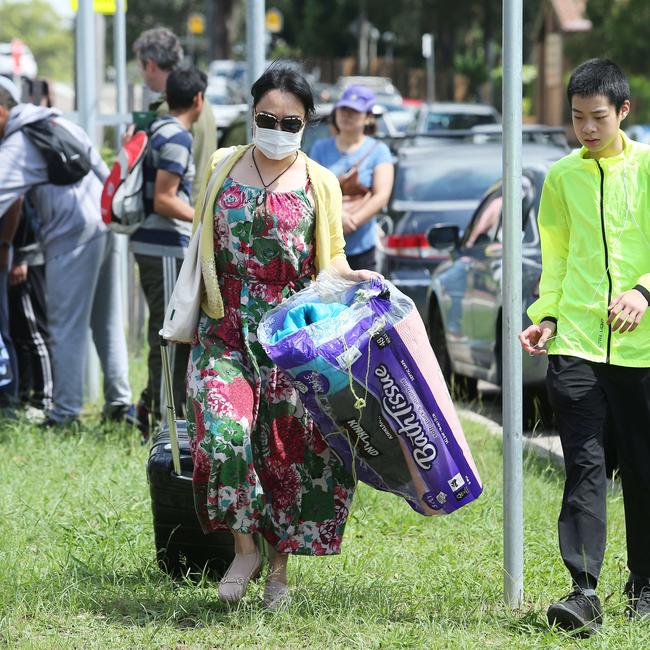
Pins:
x: 255, y: 45
x: 431, y: 72
x: 86, y: 87
x: 119, y: 61
x: 86, y: 92
x: 119, y: 56
x: 513, y: 537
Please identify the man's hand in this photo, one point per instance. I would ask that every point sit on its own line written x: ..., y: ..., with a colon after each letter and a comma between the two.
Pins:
x: 534, y: 338
x: 626, y: 311
x: 18, y: 274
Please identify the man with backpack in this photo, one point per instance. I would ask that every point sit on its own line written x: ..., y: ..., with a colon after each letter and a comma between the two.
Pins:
x: 159, y: 244
x: 82, y: 288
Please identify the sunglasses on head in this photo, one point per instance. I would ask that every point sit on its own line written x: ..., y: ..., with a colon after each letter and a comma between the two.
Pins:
x: 292, y: 124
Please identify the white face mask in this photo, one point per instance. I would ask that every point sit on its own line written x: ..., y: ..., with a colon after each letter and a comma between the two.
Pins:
x: 276, y: 144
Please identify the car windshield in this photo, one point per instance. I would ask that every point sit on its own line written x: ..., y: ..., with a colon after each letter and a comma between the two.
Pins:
x: 437, y: 121
x: 439, y: 180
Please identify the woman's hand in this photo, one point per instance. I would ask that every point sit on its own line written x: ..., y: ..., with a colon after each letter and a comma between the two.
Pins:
x: 534, y: 338
x: 362, y: 275
x: 349, y: 224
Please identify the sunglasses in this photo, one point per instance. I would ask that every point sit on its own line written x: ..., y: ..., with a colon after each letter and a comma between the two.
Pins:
x: 291, y: 124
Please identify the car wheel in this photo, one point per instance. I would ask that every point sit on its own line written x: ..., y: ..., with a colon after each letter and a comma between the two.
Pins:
x: 460, y: 386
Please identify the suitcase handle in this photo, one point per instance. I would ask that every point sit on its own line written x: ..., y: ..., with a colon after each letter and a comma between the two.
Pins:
x: 171, y: 411
x: 180, y: 477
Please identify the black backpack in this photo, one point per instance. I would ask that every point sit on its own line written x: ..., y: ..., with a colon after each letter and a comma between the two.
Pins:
x: 67, y: 159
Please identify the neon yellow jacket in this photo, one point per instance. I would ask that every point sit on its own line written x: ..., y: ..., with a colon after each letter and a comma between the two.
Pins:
x: 328, y: 231
x: 594, y: 222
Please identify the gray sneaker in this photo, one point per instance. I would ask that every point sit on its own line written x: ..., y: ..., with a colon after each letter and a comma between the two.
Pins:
x: 577, y: 612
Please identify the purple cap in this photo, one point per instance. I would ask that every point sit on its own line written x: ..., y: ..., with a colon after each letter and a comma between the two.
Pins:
x: 358, y: 98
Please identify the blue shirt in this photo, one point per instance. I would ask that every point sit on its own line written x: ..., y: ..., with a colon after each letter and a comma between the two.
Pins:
x: 339, y: 162
x: 171, y: 151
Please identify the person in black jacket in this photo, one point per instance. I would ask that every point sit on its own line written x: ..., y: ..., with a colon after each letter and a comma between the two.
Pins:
x: 28, y: 318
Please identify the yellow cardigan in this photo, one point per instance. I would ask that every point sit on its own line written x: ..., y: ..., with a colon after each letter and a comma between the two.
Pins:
x: 328, y: 232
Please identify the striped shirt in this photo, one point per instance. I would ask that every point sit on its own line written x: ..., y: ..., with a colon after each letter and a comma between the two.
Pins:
x: 171, y: 151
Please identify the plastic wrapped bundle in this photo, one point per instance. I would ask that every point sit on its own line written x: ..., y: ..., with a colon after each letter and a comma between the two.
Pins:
x: 360, y: 357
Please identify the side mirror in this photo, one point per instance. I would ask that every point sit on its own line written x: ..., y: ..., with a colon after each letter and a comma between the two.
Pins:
x: 444, y: 236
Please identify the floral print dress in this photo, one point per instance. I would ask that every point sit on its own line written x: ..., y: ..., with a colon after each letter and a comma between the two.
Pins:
x: 260, y: 463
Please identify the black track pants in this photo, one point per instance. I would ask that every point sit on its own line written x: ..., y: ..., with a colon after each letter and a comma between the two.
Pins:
x: 586, y: 396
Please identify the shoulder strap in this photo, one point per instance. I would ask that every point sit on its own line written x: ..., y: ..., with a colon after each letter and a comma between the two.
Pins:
x: 357, y: 164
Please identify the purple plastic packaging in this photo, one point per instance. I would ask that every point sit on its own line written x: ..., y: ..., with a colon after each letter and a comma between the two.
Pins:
x: 368, y: 376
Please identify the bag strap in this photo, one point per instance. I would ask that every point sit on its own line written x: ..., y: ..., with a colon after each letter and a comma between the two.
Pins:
x: 213, y: 180
x: 357, y: 164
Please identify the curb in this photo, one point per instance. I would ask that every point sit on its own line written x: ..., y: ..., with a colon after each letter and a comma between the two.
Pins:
x: 545, y: 447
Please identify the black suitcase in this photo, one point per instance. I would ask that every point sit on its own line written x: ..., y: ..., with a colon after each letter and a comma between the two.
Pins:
x: 181, y: 546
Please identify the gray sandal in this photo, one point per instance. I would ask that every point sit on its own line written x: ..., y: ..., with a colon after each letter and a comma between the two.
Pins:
x: 234, y: 583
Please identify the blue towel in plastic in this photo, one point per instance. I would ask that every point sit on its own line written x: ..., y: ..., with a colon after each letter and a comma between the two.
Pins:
x: 307, y: 314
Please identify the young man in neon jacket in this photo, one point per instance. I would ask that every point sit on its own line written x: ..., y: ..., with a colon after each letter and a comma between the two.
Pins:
x: 589, y: 319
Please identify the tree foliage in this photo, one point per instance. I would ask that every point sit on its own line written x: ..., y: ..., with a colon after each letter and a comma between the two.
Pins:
x: 49, y: 36
x: 620, y: 32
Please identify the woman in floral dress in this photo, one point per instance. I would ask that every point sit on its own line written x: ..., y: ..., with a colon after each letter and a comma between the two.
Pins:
x: 260, y: 463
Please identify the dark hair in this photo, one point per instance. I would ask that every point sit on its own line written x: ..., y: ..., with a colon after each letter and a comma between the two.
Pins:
x: 599, y: 77
x: 160, y: 45
x: 284, y: 77
x: 183, y: 84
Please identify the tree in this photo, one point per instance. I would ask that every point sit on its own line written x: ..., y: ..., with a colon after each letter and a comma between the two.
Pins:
x: 47, y: 34
x: 620, y: 32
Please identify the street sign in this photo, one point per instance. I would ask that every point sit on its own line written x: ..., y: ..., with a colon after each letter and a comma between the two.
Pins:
x: 107, y: 7
x: 274, y: 21
x: 427, y: 46
x: 196, y: 24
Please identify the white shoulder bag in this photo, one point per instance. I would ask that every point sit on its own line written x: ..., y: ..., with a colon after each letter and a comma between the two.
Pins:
x: 182, y: 313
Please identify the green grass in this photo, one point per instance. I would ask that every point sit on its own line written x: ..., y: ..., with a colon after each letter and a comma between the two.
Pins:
x: 77, y: 567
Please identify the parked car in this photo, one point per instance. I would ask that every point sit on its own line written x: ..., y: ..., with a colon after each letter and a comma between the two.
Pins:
x: 228, y: 69
x: 385, y: 91
x: 464, y: 302
x: 399, y: 118
x: 453, y: 115
x: 227, y: 105
x: 441, y: 184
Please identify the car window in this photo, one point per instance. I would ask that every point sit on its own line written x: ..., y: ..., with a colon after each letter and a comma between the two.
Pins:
x: 456, y: 180
x: 529, y: 206
x: 436, y: 121
x: 486, y: 227
x: 486, y: 222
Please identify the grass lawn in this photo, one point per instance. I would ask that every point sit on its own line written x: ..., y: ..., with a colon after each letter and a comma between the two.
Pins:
x: 77, y: 565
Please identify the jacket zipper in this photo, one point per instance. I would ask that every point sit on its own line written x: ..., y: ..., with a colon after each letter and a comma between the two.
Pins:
x: 609, y: 277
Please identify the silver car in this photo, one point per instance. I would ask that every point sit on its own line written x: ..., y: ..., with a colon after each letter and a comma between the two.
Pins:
x: 465, y: 298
